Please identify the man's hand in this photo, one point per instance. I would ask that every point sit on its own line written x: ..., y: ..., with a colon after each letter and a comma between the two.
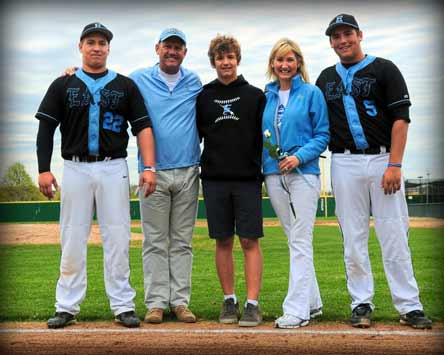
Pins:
x: 147, y: 179
x: 391, y: 180
x: 70, y: 71
x: 46, y: 182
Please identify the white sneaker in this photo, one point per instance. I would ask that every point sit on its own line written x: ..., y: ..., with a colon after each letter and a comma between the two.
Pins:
x: 314, y: 313
x: 289, y: 321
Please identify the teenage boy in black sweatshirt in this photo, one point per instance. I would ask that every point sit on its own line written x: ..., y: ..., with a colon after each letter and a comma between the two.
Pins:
x: 229, y: 120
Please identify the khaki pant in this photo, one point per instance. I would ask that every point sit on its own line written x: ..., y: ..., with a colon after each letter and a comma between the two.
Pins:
x: 168, y: 217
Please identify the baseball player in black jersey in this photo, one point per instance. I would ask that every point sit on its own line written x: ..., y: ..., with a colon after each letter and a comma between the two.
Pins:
x: 368, y: 106
x: 93, y: 108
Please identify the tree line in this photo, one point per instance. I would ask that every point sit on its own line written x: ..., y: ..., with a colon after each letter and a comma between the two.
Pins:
x: 17, y: 185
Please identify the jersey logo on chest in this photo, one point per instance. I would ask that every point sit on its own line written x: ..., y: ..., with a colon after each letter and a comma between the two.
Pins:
x: 77, y: 100
x: 226, y: 106
x: 361, y: 87
x: 109, y: 99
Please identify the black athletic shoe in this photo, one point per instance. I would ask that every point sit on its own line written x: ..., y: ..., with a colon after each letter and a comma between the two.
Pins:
x: 361, y: 316
x: 128, y: 319
x: 229, y: 314
x: 60, y: 320
x: 314, y: 313
x: 416, y: 319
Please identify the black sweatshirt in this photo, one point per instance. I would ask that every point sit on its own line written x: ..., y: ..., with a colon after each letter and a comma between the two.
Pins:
x: 229, y: 120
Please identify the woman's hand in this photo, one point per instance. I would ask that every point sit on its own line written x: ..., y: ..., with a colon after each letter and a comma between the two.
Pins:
x: 288, y: 164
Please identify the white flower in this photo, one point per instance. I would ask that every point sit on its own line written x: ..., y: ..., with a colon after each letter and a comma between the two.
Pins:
x: 267, y: 134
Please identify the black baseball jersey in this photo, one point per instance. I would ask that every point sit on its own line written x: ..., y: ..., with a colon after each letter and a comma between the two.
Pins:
x: 380, y: 96
x: 67, y: 102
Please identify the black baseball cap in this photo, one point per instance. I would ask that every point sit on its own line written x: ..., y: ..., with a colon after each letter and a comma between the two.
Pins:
x: 96, y: 27
x: 340, y: 20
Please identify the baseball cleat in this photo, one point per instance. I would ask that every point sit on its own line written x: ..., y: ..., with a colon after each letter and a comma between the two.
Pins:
x: 416, y: 319
x: 60, y: 320
x: 314, y: 313
x: 361, y: 316
x: 128, y: 319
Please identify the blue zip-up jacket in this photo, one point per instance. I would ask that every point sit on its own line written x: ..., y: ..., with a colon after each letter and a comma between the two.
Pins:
x: 305, y: 129
x: 173, y: 115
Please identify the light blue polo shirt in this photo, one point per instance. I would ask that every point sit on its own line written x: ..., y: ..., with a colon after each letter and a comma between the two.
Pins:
x: 173, y: 115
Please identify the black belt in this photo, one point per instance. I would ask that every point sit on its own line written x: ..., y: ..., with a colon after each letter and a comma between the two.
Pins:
x: 370, y: 150
x: 89, y: 158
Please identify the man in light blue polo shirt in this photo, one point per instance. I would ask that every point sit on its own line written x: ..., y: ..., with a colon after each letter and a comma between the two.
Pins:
x: 168, y: 215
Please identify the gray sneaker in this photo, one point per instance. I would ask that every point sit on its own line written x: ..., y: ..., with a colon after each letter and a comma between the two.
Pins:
x: 229, y: 314
x: 251, y: 317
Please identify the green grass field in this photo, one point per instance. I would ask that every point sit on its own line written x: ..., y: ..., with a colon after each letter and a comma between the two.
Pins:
x: 29, y: 274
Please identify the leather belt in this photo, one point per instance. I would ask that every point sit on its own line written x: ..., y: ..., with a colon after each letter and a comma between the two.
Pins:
x: 371, y: 150
x: 89, y: 158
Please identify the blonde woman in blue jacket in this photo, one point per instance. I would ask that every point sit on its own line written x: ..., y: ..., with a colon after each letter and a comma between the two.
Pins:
x: 295, y: 121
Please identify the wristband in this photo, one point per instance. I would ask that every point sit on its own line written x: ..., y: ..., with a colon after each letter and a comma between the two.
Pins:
x: 149, y: 168
x: 395, y: 165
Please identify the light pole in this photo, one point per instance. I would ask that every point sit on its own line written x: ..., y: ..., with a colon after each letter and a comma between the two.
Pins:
x: 428, y: 183
x: 420, y: 185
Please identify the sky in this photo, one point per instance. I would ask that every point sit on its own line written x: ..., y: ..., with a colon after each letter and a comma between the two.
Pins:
x: 40, y: 40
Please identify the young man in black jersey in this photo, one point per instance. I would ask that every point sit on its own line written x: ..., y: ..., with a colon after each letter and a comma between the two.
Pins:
x: 368, y: 105
x: 229, y: 120
x: 93, y: 108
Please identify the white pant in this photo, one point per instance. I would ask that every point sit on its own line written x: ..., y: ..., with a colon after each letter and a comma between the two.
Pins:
x: 303, y: 291
x: 356, y: 183
x: 105, y: 186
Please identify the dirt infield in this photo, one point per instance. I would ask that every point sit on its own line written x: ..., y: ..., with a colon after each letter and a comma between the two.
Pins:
x: 172, y: 338
x: 14, y: 233
x: 212, y: 338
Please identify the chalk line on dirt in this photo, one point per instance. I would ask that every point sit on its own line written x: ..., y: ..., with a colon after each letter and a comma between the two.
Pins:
x: 225, y: 331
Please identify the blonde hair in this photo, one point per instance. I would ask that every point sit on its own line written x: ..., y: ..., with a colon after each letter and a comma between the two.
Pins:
x: 281, y: 48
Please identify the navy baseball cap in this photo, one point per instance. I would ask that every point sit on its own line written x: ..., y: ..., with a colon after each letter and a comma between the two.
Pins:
x: 341, y: 20
x: 172, y: 32
x: 96, y: 27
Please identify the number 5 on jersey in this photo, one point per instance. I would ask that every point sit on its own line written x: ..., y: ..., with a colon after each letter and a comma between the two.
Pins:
x: 370, y: 108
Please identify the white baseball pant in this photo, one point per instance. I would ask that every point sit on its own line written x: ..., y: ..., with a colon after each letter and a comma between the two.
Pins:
x: 103, y: 186
x: 356, y: 183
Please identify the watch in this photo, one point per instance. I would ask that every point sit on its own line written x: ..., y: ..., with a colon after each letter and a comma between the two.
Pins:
x: 149, y: 168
